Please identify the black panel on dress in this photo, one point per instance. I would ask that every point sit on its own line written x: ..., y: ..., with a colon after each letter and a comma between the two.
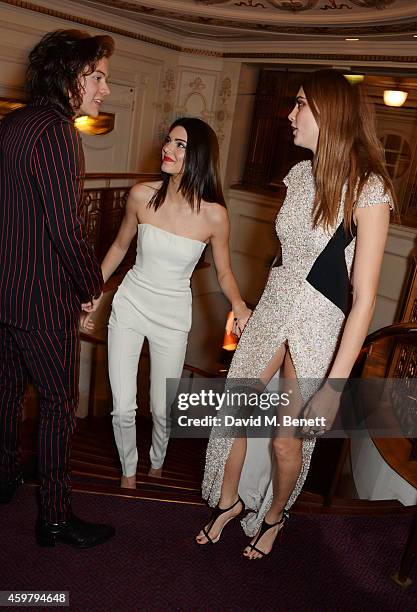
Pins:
x: 329, y: 273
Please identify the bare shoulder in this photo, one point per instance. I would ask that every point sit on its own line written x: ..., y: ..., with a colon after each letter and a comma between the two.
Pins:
x: 144, y: 191
x: 216, y: 214
x: 141, y: 193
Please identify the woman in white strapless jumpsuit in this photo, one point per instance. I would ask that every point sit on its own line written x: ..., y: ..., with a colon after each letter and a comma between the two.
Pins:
x: 153, y: 301
x: 175, y: 218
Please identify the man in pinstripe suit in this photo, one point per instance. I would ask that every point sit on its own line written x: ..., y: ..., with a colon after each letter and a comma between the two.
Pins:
x: 47, y: 269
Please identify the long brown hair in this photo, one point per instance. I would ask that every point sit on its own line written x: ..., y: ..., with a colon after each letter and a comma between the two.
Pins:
x: 201, y: 178
x: 348, y: 150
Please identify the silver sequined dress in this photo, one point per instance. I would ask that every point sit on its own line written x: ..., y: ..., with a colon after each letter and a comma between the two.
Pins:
x: 291, y: 309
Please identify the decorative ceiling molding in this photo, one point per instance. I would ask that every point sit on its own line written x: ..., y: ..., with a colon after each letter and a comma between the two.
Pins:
x: 30, y: 6
x: 222, y: 17
x: 379, y: 4
x: 333, y: 57
x: 286, y: 12
x: 302, y: 5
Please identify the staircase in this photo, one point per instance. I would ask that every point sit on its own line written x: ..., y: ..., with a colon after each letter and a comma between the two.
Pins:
x: 95, y: 465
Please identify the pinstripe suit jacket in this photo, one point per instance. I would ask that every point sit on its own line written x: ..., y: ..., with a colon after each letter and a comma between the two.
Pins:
x: 47, y: 267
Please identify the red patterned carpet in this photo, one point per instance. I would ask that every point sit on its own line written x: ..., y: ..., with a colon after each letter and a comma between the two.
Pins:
x: 324, y: 563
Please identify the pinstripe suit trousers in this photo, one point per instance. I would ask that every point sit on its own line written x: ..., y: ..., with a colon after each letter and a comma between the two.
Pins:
x: 50, y: 358
x: 47, y: 268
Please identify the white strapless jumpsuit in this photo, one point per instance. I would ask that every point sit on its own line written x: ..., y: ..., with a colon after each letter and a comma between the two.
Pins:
x: 153, y: 301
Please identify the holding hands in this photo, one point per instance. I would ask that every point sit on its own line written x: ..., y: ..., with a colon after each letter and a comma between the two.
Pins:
x: 86, y: 321
x: 93, y: 304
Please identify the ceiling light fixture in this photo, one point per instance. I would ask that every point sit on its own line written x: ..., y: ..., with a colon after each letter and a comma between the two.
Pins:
x: 350, y: 39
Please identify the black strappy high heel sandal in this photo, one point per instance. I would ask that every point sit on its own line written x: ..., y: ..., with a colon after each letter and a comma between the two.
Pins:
x: 215, y: 515
x: 264, y: 528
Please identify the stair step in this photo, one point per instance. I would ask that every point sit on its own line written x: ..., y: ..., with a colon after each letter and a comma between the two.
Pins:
x: 82, y: 471
x: 141, y: 490
x: 95, y: 465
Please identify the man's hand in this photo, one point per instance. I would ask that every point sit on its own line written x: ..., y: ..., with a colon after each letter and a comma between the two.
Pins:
x: 93, y: 305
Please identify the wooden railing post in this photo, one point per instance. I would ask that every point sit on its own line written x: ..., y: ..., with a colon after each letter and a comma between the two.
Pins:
x: 343, y: 454
x: 402, y: 577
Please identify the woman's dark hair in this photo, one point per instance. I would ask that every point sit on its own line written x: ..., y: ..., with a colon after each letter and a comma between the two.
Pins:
x: 201, y: 177
x: 57, y: 62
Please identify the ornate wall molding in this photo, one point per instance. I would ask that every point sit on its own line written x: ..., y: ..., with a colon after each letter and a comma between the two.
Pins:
x: 222, y: 114
x: 167, y: 107
x: 196, y: 98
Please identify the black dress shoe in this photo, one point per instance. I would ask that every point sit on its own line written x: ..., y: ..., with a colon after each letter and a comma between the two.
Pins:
x: 8, y: 489
x: 74, y: 531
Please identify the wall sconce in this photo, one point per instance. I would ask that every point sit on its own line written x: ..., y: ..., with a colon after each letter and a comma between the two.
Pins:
x: 229, y: 342
x: 394, y: 97
x: 95, y: 126
x: 7, y: 106
x: 229, y: 339
x: 354, y: 79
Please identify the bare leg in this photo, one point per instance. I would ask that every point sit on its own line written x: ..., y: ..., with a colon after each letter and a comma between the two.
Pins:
x: 288, y: 461
x: 234, y: 464
x: 155, y: 472
x: 128, y: 482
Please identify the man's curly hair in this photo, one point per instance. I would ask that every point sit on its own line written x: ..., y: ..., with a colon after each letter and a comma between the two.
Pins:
x: 58, y: 61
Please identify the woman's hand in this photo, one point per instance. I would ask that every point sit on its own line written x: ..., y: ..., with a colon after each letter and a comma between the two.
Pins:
x: 86, y: 321
x: 241, y: 315
x: 323, y: 408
